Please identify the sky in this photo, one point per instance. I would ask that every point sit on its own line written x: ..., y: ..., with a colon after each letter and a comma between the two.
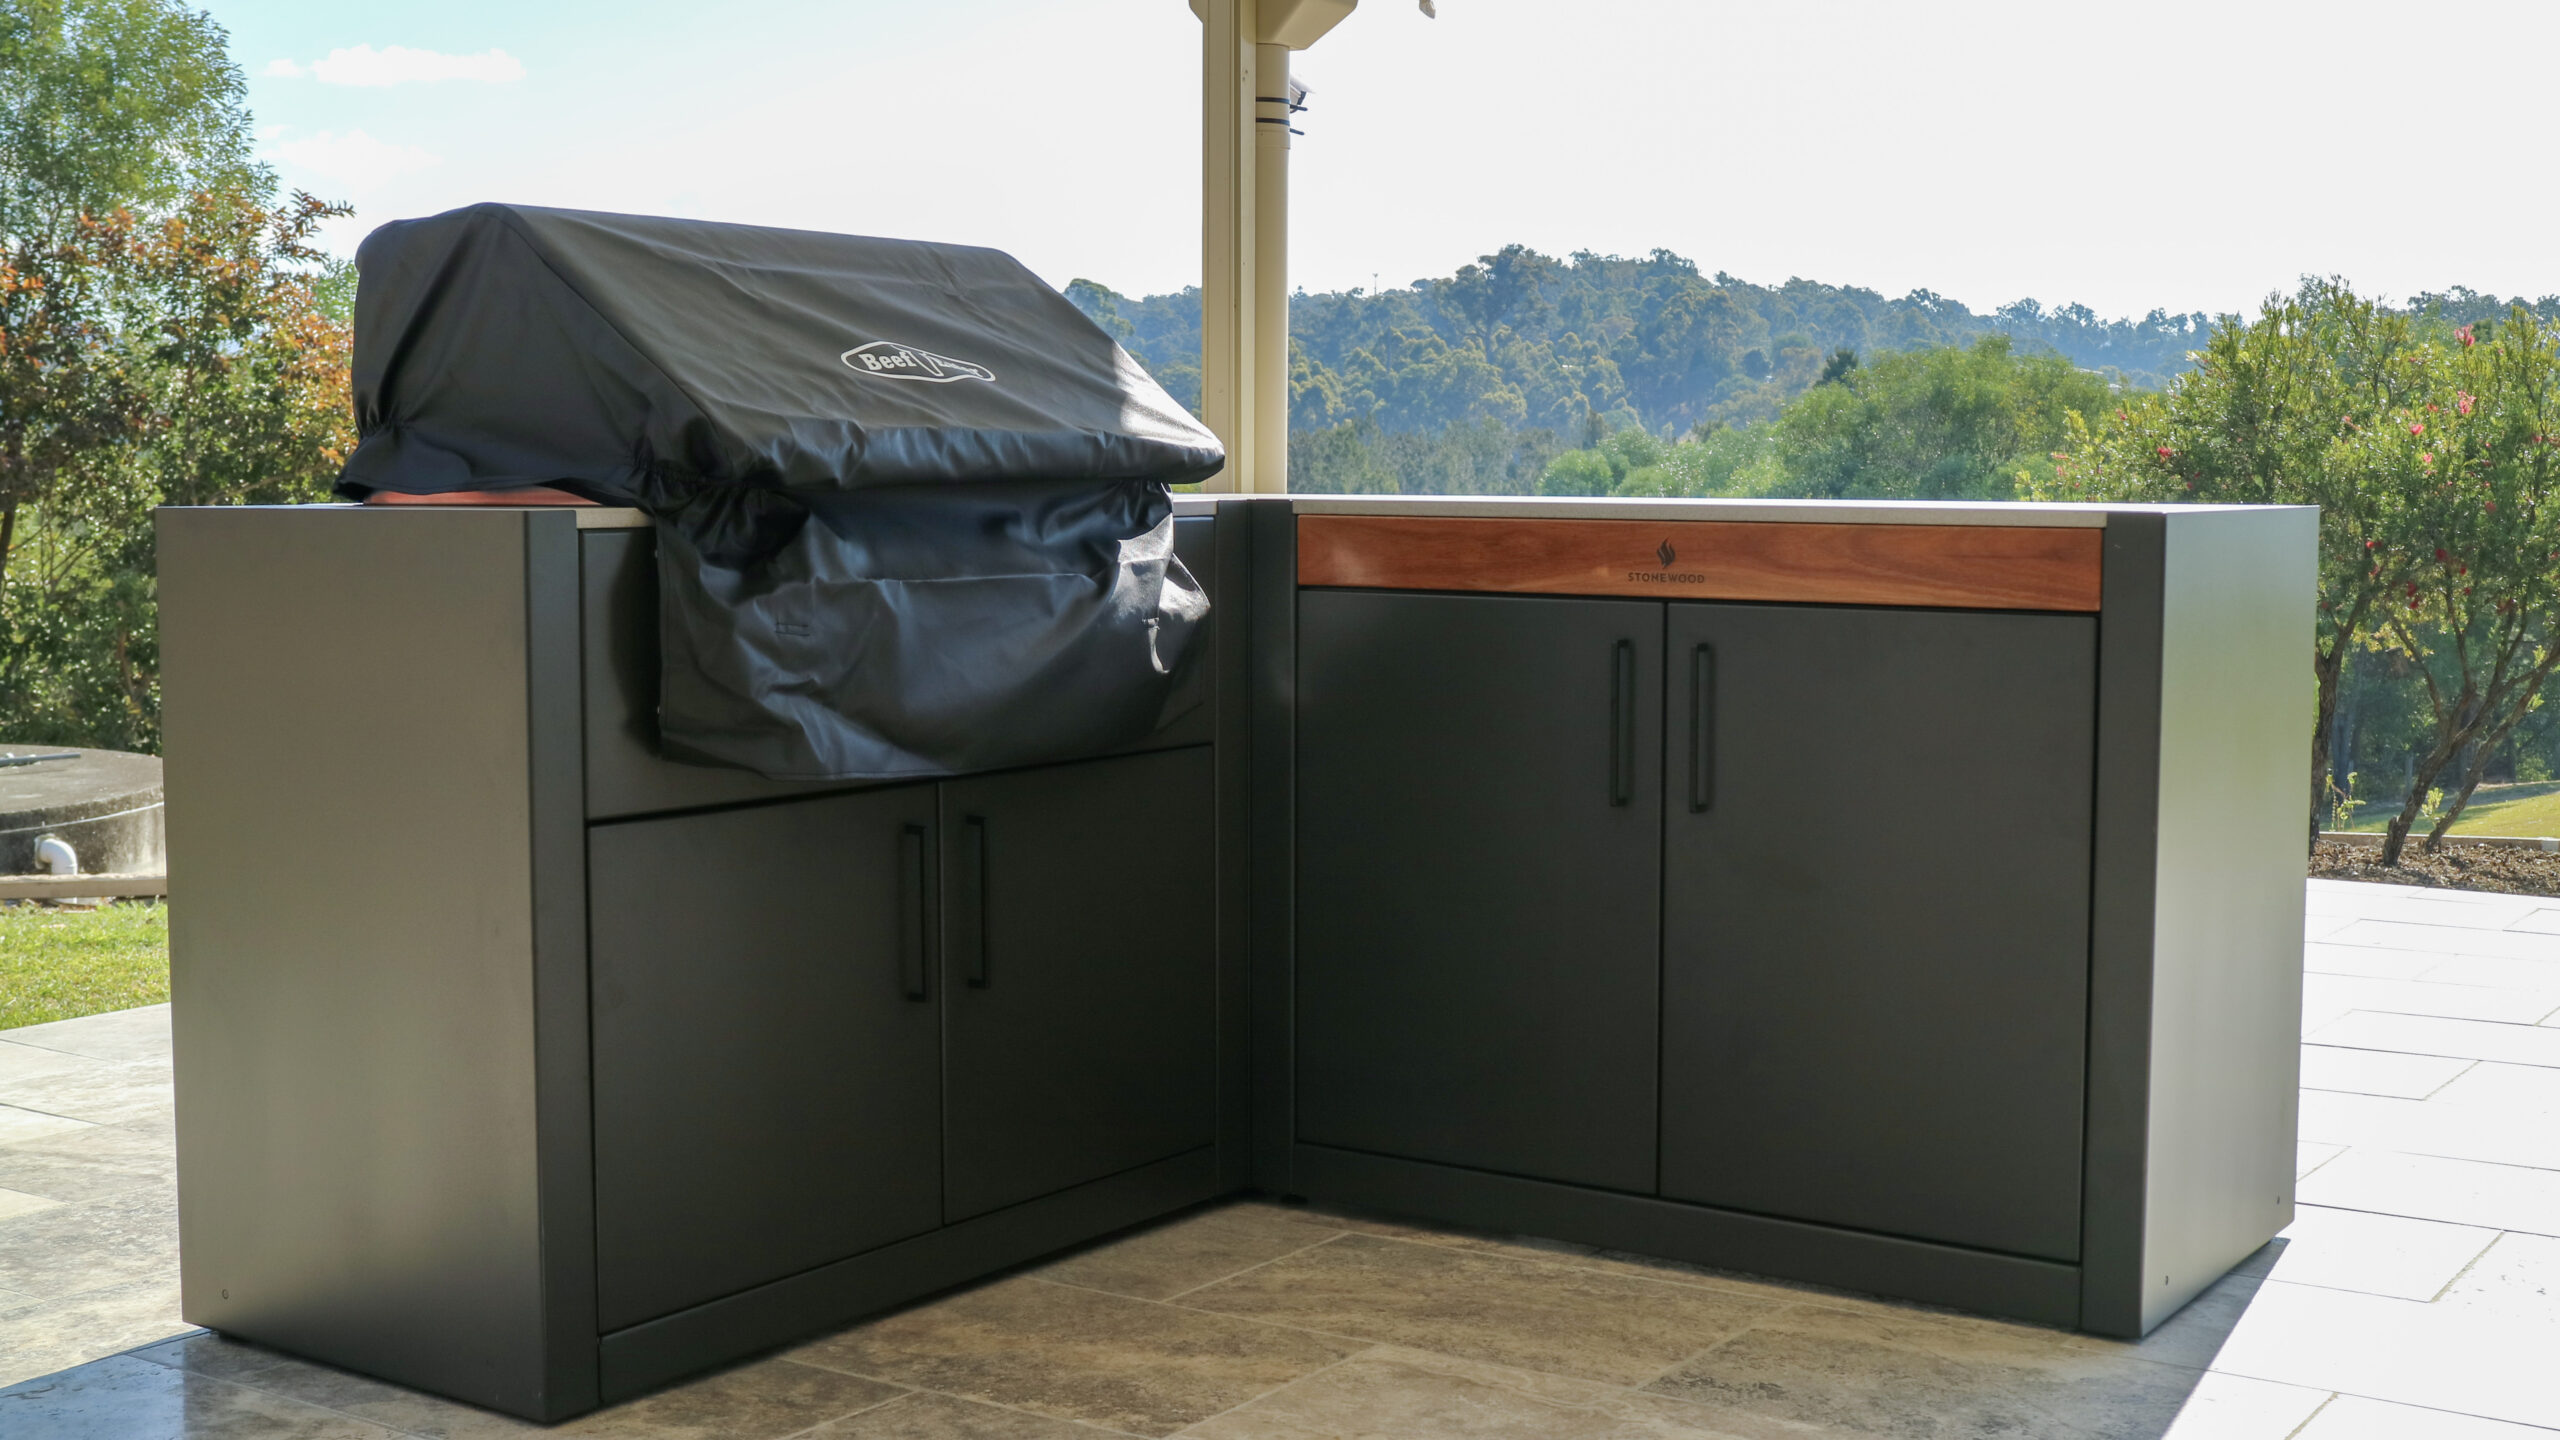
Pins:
x: 2180, y: 154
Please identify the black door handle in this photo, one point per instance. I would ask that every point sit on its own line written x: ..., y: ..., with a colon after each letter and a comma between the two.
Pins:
x: 915, y: 902
x: 973, y: 901
x: 1622, y: 724
x: 1702, y: 728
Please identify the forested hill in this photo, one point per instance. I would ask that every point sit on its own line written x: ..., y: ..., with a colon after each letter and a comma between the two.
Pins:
x: 1532, y: 342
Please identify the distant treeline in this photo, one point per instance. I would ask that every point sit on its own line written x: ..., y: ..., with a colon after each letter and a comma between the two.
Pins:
x: 1475, y: 382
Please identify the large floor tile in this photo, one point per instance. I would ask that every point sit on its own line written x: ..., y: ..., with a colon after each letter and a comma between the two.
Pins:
x: 1919, y: 1375
x: 137, y: 1034
x: 14, y: 1203
x: 2525, y: 1093
x: 19, y: 1125
x: 89, y: 1162
x: 2433, y: 1035
x: 102, y: 1092
x: 2308, y: 1157
x: 2520, y: 1274
x: 2378, y: 1072
x: 2447, y: 939
x: 2461, y: 1192
x: 2425, y: 997
x: 2376, y: 1254
x: 2435, y: 1357
x: 2372, y: 961
x: 2512, y: 974
x: 405, y: 1411
x: 2332, y: 1117
x: 2352, y: 1417
x: 38, y: 1337
x: 70, y: 1249
x: 764, y: 1400
x: 920, y: 1416
x: 128, y: 1399
x: 2541, y: 920
x: 1076, y: 1354
x: 2234, y: 1407
x: 1500, y: 1308
x: 1189, y: 1252
x: 1415, y: 1395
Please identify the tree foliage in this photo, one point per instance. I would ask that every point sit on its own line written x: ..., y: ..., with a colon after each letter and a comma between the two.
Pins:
x: 2431, y: 452
x: 1532, y: 342
x: 167, y: 335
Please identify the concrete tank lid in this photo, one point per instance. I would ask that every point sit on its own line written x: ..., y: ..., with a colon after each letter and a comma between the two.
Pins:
x: 91, y: 783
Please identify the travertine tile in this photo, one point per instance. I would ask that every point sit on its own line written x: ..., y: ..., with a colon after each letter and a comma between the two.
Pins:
x: 1478, y: 1305
x: 1415, y: 1395
x: 1187, y: 1253
x: 128, y: 1399
x: 1077, y: 1354
x: 88, y: 1162
x: 764, y: 1400
x: 14, y: 1203
x: 39, y: 1337
x: 2461, y: 1192
x: 1866, y: 1374
x: 2376, y: 1254
x: 405, y: 1411
x: 2378, y: 1072
x: 19, y: 1125
x: 137, y: 1034
x: 70, y: 1249
x: 919, y: 1416
x: 102, y: 1092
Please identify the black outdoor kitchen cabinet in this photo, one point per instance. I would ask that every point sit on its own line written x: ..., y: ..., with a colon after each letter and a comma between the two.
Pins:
x: 548, y: 1069
x: 1898, y: 897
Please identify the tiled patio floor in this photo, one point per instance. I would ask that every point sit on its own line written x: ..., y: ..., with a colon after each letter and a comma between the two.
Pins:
x: 2414, y: 1298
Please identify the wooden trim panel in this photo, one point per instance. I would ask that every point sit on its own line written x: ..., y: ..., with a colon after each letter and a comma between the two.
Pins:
x: 1976, y: 567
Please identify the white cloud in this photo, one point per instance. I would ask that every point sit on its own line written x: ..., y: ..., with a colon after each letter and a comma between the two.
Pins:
x: 400, y: 65
x: 355, y: 159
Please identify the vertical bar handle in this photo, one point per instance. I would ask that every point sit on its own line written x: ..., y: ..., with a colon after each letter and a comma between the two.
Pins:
x: 973, y: 858
x: 1702, y: 728
x: 1622, y: 724
x: 915, y: 902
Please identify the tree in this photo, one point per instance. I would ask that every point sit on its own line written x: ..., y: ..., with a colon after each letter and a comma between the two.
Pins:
x: 2419, y: 448
x: 1979, y: 422
x: 167, y: 333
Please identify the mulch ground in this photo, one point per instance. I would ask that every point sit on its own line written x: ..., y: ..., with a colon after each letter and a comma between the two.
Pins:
x: 2455, y: 867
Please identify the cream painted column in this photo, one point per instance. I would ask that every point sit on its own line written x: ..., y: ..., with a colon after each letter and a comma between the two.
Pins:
x: 1244, y: 218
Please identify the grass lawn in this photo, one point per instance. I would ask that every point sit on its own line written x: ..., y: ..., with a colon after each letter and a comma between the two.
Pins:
x: 55, y: 964
x: 2494, y: 810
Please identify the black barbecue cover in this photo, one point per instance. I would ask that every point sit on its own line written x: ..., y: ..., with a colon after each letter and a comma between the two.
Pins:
x: 910, y: 502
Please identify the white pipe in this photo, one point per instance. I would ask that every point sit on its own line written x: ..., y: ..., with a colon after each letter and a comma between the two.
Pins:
x: 55, y: 856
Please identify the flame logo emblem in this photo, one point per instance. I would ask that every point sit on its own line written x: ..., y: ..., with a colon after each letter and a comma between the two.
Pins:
x: 1667, y: 554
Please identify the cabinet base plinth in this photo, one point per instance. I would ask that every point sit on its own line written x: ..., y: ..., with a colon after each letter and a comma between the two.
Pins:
x: 2044, y: 1291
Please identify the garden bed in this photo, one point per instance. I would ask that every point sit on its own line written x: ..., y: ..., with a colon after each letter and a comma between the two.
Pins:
x: 2510, y: 870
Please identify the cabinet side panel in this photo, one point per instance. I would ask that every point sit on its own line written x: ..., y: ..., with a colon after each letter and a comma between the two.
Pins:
x: 2226, y: 999
x: 2124, y: 851
x: 350, y: 839
x: 1273, y: 534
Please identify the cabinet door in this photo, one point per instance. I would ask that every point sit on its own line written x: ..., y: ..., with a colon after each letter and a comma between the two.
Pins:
x: 1875, y: 937
x: 766, y: 1085
x: 1081, y: 962
x: 1479, y: 861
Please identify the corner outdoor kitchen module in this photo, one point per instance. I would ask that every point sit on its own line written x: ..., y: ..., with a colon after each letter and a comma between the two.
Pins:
x: 1514, y: 864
